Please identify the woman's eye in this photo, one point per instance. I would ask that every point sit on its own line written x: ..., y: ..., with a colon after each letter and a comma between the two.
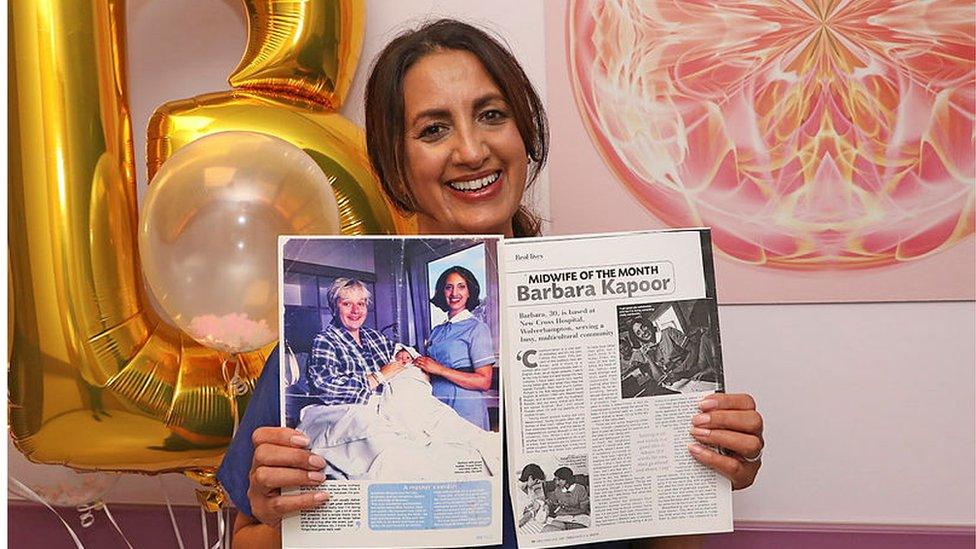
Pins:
x: 493, y: 116
x: 432, y: 132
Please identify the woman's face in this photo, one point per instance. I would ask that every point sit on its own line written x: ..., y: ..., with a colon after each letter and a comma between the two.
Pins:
x: 530, y: 483
x: 352, y: 308
x: 465, y: 161
x: 455, y: 293
x: 642, y: 332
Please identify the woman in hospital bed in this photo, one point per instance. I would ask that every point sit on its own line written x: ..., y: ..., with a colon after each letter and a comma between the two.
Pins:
x: 402, y: 432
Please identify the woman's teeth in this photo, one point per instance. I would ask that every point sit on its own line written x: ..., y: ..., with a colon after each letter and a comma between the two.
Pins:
x: 474, y: 184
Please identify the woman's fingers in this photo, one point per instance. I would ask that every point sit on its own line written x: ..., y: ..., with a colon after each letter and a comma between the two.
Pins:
x: 272, y: 509
x: 743, y: 421
x: 282, y: 456
x: 739, y: 430
x: 724, y: 401
x: 269, y: 479
x: 740, y: 473
x: 281, y: 436
x: 281, y: 459
x: 729, y: 421
x: 747, y: 446
x: 283, y: 447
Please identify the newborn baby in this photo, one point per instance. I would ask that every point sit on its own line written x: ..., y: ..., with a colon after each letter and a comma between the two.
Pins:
x: 407, y: 399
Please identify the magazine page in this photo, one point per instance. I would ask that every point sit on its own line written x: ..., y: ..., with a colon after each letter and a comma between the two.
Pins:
x: 615, y: 340
x: 389, y: 365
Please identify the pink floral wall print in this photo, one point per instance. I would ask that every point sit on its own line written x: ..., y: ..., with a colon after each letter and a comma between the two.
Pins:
x: 810, y: 135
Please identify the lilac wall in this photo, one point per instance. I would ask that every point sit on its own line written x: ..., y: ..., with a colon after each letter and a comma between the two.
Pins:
x: 148, y: 527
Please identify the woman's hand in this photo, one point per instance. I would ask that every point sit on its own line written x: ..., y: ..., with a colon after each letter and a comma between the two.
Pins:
x: 730, y: 422
x: 392, y: 369
x: 478, y: 380
x: 281, y: 459
x: 429, y: 365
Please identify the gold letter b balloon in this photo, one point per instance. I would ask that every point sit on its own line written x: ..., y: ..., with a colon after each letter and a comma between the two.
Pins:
x: 97, y: 381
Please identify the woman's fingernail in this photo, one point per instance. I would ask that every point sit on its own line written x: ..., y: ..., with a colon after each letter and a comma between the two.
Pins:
x: 300, y: 441
x: 321, y: 496
x: 708, y: 404
x: 696, y: 449
x: 316, y: 476
x: 316, y: 461
x: 700, y: 419
x: 699, y: 432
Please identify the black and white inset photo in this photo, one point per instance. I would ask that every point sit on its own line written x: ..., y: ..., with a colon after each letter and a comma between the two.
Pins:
x: 669, y: 348
x: 553, y: 494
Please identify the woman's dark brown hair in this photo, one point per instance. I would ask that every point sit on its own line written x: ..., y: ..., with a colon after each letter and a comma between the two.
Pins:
x: 385, y: 111
x: 474, y: 289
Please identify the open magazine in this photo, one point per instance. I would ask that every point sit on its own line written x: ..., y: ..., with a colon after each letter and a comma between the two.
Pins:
x: 396, y: 351
x: 614, y: 340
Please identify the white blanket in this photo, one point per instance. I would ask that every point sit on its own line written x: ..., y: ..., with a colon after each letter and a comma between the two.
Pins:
x: 403, y: 433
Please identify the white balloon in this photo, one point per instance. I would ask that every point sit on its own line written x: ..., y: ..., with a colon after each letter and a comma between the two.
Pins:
x: 208, y: 233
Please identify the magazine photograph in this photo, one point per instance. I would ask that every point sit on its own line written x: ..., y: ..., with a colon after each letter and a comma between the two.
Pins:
x: 390, y: 368
x: 553, y: 494
x: 669, y: 348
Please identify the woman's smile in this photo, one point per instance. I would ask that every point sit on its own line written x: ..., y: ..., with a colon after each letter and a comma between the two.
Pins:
x: 466, y: 161
x: 475, y: 183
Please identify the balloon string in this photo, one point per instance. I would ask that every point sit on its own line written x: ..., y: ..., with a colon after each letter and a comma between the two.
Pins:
x: 203, y: 526
x: 22, y: 489
x: 236, y: 386
x: 172, y: 517
x: 111, y: 519
x: 230, y: 529
x: 220, y: 531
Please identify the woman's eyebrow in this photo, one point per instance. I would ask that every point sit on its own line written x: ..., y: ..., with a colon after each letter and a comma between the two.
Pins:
x: 435, y: 113
x: 442, y: 113
x: 488, y: 98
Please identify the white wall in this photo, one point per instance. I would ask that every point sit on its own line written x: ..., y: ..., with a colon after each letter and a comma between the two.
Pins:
x: 869, y: 407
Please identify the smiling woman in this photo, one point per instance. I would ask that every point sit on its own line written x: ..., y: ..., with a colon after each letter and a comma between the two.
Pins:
x: 461, y: 354
x: 455, y: 131
x: 468, y: 164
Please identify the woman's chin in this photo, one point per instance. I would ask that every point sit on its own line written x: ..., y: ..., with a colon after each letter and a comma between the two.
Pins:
x: 499, y: 223
x: 464, y: 224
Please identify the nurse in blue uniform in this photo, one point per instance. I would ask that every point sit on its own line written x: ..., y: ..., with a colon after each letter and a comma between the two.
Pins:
x: 460, y: 351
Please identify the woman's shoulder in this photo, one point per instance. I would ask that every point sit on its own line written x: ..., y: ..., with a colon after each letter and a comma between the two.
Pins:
x: 474, y: 325
x: 473, y: 320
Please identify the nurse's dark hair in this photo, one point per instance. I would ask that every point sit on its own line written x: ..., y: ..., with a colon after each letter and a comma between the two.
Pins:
x: 385, y: 125
x: 564, y: 473
x: 474, y: 289
x: 532, y: 471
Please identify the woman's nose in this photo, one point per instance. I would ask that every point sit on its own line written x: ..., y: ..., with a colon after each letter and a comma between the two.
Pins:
x: 470, y: 150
